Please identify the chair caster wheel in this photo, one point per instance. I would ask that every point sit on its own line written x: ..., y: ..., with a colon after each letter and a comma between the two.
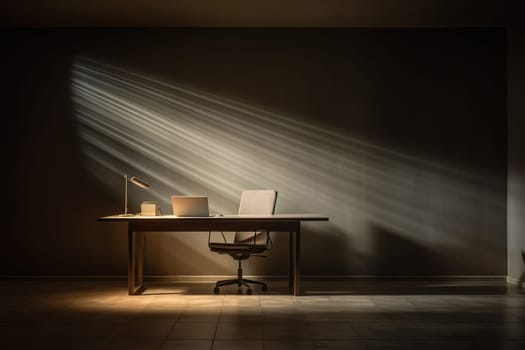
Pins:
x: 248, y: 291
x: 264, y: 288
x: 216, y: 290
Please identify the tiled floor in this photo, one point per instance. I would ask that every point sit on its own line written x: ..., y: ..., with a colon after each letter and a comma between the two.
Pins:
x: 340, y: 315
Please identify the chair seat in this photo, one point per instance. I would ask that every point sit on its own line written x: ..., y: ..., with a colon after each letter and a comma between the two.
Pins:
x: 235, y: 248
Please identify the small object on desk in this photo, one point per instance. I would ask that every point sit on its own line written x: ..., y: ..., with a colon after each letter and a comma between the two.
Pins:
x: 149, y: 208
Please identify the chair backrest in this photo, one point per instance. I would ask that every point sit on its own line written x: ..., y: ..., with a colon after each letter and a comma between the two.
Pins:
x: 256, y: 202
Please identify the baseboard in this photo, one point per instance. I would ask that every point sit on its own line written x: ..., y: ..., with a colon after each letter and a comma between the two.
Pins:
x: 496, y: 278
x: 64, y: 277
x: 151, y: 278
x: 213, y: 278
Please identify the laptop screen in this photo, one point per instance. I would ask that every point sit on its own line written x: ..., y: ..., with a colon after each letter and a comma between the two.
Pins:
x: 190, y: 205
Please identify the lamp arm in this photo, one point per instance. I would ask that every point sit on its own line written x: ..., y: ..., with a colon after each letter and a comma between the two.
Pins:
x: 126, y: 178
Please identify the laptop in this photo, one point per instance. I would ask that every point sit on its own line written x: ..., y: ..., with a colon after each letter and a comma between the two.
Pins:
x: 195, y: 206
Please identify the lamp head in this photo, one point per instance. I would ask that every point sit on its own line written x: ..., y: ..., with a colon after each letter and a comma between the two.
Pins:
x: 138, y: 182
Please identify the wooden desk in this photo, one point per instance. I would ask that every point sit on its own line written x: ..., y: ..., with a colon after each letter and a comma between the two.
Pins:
x: 138, y: 225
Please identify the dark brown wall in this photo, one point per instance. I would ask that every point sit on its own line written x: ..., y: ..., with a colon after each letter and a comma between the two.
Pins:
x: 399, y: 135
x: 516, y: 160
x: 260, y: 13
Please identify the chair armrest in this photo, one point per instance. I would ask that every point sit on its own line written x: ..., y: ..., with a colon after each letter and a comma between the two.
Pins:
x: 209, y: 237
x: 268, y: 239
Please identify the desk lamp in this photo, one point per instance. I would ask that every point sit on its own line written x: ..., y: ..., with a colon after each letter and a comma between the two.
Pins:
x: 137, y: 182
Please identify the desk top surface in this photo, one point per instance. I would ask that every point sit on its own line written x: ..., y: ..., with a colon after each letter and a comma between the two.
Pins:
x: 294, y: 217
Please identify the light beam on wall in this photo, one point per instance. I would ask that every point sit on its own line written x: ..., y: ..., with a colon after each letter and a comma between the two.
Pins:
x: 187, y: 141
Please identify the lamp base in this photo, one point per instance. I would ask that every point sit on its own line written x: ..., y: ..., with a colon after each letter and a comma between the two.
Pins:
x: 126, y: 214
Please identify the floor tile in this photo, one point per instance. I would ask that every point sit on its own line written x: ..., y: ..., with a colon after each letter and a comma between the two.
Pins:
x: 237, y: 345
x: 145, y: 329
x: 187, y: 345
x: 135, y: 344
x: 288, y: 344
x: 193, y: 330
x: 340, y: 345
x: 239, y: 330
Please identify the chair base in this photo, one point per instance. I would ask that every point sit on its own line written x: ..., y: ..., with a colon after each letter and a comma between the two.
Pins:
x: 239, y: 281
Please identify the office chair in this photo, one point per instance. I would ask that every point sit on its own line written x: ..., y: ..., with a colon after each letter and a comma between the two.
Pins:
x: 246, y: 244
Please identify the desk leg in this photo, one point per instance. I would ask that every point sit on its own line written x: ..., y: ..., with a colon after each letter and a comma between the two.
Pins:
x: 131, y: 261
x: 291, y: 257
x: 297, y: 261
x: 140, y: 258
x: 294, y: 262
x: 135, y: 262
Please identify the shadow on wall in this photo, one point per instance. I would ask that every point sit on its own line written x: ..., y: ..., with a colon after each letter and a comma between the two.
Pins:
x: 386, y: 207
x: 394, y: 253
x: 331, y: 245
